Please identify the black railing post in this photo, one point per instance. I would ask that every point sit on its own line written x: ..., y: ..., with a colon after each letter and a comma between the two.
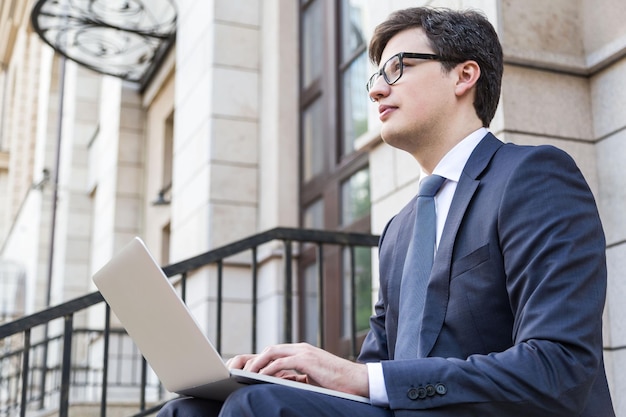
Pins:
x: 44, y: 369
x: 66, y: 367
x: 353, y: 302
x: 25, y: 371
x: 320, y: 297
x: 220, y: 296
x: 105, y: 360
x: 287, y: 317
x: 144, y: 383
x: 255, y: 291
x: 183, y: 286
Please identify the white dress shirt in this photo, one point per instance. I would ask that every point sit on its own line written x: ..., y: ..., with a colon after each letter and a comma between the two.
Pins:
x: 450, y: 167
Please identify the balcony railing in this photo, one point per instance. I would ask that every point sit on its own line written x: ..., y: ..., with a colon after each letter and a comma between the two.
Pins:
x: 31, y: 381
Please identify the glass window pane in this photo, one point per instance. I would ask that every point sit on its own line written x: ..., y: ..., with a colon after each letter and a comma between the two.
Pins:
x: 314, y: 215
x: 313, y: 140
x: 352, y: 23
x: 355, y: 197
x: 310, y: 304
x: 355, y: 103
x: 362, y: 289
x: 312, y: 43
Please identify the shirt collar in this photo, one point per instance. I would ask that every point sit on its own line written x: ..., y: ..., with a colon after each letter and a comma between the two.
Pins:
x: 452, y: 164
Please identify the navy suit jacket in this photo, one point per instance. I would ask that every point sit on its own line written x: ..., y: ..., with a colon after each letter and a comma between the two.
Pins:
x: 512, y: 321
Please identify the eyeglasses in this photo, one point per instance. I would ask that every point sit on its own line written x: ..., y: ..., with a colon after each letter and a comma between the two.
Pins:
x: 393, y: 68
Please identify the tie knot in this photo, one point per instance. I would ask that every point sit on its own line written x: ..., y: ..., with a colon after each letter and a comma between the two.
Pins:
x: 430, y: 185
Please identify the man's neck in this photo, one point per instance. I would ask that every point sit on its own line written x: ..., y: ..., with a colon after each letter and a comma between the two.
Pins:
x: 429, y: 157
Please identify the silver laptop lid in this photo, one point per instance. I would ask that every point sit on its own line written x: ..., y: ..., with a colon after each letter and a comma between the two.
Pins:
x: 160, y: 323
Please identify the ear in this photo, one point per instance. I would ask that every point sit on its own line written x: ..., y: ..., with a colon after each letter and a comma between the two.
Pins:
x: 468, y: 74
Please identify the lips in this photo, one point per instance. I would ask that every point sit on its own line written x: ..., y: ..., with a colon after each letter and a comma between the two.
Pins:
x: 385, y: 110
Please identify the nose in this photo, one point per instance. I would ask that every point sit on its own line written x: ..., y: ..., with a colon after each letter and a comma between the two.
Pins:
x: 379, y: 89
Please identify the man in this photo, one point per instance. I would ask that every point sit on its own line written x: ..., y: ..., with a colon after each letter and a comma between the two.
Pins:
x: 512, y: 316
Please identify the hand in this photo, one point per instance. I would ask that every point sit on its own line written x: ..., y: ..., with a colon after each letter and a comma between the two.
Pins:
x: 305, y: 363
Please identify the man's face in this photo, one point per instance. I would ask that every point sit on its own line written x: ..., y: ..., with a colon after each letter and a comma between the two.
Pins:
x: 415, y: 108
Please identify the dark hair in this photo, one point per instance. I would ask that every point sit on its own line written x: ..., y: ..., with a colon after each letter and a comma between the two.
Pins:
x: 457, y: 36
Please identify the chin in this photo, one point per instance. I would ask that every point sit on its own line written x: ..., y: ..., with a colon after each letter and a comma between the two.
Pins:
x: 393, y: 138
x: 397, y: 143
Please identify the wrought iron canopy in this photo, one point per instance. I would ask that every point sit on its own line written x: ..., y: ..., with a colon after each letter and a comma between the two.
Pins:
x: 123, y: 38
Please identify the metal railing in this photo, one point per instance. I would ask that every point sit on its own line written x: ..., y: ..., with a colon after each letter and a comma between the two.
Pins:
x: 29, y: 381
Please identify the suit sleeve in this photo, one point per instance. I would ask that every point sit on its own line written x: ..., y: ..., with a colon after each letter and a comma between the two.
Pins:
x: 553, y: 250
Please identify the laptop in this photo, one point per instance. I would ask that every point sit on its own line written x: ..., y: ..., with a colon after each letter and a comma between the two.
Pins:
x: 166, y: 333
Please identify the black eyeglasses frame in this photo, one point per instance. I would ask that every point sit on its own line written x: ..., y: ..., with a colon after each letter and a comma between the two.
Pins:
x: 400, y: 56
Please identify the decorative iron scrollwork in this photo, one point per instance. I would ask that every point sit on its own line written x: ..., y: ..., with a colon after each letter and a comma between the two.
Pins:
x: 123, y: 38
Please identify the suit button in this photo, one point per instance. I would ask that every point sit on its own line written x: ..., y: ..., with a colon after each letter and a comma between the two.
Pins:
x: 412, y: 394
x: 441, y: 389
x: 421, y: 393
x: 430, y: 390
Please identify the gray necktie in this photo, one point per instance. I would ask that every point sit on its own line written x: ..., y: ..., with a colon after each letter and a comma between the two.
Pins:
x: 417, y: 266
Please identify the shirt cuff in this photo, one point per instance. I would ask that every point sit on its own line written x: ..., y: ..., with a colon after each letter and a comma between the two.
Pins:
x: 378, y: 391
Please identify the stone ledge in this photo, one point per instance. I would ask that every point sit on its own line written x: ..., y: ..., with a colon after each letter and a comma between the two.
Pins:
x: 588, y: 65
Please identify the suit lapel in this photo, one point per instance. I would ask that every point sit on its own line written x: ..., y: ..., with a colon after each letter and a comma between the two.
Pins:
x: 437, y: 295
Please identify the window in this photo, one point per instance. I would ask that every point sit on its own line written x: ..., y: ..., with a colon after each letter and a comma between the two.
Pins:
x: 314, y: 215
x: 355, y: 197
x: 353, y: 67
x: 168, y: 150
x: 312, y: 43
x: 311, y: 325
x: 354, y: 103
x: 361, y: 305
x: 334, y: 174
x: 312, y: 139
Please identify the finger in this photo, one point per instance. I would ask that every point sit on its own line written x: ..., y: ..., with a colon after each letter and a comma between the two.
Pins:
x: 287, y: 364
x: 302, y: 378
x: 292, y: 376
x: 275, y: 358
x: 239, y: 361
x: 263, y: 359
